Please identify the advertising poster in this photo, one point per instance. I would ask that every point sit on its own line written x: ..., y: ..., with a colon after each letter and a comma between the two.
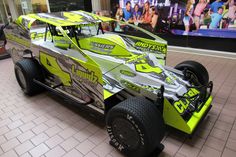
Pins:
x: 182, y: 22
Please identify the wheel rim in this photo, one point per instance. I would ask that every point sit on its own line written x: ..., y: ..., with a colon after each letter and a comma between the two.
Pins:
x: 21, y: 78
x: 194, y: 79
x: 125, y: 133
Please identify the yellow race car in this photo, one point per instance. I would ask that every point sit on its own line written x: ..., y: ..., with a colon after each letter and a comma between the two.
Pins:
x: 115, y: 68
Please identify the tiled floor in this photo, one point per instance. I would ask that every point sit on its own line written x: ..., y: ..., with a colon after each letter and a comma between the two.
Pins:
x: 47, y: 126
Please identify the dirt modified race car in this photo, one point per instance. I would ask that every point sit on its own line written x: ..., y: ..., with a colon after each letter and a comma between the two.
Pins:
x: 115, y: 68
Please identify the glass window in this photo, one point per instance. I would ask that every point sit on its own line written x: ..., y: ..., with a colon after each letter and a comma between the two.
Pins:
x: 31, y: 6
x: 39, y: 6
x: 69, y: 5
x: 18, y: 7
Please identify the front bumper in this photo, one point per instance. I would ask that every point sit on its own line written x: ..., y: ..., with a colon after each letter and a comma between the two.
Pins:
x: 174, y: 119
x: 199, y: 116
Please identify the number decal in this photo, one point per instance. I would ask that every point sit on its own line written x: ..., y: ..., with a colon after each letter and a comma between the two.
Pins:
x: 146, y: 68
x: 51, y: 64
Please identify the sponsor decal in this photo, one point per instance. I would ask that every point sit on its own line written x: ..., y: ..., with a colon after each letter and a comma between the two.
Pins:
x: 127, y: 73
x: 146, y: 68
x: 141, y: 135
x: 35, y: 35
x: 182, y: 104
x: 150, y: 47
x: 130, y: 85
x: 102, y: 47
x: 151, y: 88
x: 136, y: 58
x: 87, y: 75
x: 62, y: 40
x: 169, y: 81
x: 18, y: 40
x: 116, y: 143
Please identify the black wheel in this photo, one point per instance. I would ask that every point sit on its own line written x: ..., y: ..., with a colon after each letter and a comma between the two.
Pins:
x: 26, y: 70
x: 135, y: 127
x: 196, y: 69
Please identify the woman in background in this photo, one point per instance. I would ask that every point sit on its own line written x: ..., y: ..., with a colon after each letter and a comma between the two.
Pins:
x: 154, y: 18
x: 119, y: 17
x: 119, y: 14
x: 146, y: 16
x: 136, y: 13
x: 231, y: 12
x: 201, y: 5
x: 188, y: 15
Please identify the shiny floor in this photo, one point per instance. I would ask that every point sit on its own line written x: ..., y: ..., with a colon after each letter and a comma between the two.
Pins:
x: 45, y: 125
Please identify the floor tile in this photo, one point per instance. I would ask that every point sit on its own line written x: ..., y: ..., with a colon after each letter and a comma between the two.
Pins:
x: 228, y: 153
x: 209, y: 152
x: 55, y: 152
x: 24, y: 147
x: 39, y: 150
x: 85, y: 147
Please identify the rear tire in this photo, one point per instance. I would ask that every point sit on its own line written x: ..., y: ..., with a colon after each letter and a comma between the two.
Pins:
x: 135, y: 127
x: 26, y: 70
x: 195, y: 68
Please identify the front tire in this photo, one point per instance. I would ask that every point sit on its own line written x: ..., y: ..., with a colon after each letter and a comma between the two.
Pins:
x: 135, y: 126
x: 26, y: 70
x: 195, y: 68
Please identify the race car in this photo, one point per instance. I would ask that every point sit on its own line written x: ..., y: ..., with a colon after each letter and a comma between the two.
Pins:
x: 115, y: 68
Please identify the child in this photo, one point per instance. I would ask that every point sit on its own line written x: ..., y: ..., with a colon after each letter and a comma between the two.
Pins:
x: 215, y: 18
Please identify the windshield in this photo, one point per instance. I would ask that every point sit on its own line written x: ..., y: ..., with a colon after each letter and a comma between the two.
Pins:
x: 82, y: 31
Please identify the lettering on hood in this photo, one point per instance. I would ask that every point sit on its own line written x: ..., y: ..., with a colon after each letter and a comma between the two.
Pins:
x: 150, y: 47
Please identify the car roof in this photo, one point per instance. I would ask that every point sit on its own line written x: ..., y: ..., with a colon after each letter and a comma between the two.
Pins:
x: 70, y: 18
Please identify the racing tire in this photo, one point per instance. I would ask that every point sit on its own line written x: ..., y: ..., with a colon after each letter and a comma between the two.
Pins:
x: 135, y: 126
x: 195, y: 68
x: 26, y: 70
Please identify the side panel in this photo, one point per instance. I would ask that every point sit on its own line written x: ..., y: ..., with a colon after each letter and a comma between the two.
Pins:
x: 19, y: 37
x: 79, y: 79
x: 19, y: 40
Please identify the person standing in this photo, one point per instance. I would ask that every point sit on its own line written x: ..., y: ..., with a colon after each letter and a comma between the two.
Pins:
x: 231, y: 12
x: 188, y: 15
x: 201, y: 5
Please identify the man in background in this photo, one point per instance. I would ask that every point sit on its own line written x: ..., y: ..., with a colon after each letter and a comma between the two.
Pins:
x: 127, y: 12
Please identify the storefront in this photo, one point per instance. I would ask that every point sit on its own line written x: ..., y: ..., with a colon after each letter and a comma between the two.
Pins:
x: 11, y: 9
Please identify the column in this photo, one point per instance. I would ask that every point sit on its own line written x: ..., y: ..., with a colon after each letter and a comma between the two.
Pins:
x: 48, y: 6
x: 96, y: 5
x: 106, y: 5
x: 13, y: 10
x: 3, y: 15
